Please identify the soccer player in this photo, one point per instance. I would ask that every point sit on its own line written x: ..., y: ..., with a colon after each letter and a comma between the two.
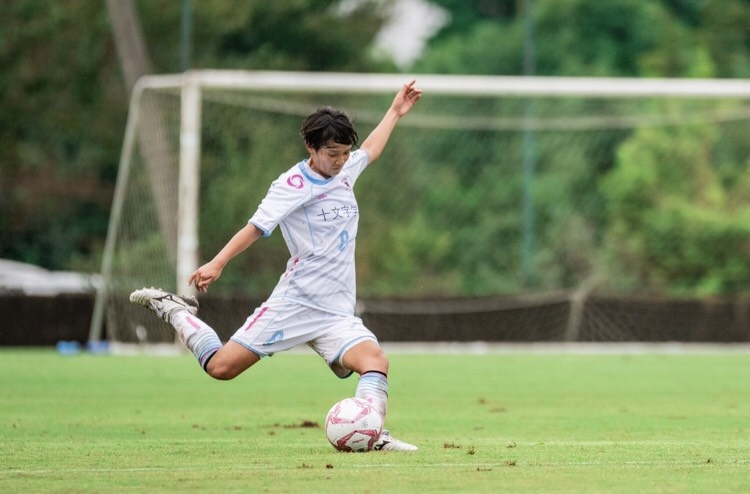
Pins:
x: 314, y: 205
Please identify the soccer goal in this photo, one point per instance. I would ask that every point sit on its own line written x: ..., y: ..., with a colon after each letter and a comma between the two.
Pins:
x: 490, y: 186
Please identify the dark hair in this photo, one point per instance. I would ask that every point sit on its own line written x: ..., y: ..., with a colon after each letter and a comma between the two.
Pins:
x: 328, y: 124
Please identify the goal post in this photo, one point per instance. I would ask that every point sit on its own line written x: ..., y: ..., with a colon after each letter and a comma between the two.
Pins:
x: 201, y: 148
x: 189, y: 181
x: 145, y: 128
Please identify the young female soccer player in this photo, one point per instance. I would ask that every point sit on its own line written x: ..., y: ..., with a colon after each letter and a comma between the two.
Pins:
x: 314, y: 205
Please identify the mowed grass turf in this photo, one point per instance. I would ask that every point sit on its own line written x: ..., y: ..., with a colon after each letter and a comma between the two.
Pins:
x: 485, y: 423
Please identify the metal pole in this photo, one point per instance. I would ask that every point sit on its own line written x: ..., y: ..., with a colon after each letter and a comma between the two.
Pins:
x: 529, y: 158
x: 187, y: 35
x: 187, y: 225
x: 96, y: 329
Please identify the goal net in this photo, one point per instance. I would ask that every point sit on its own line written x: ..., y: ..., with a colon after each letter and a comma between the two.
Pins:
x: 494, y: 196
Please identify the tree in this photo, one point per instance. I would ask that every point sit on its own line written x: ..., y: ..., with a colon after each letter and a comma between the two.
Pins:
x: 60, y: 128
x: 725, y: 31
x: 676, y: 222
x: 154, y: 138
x: 652, y: 236
x: 65, y: 99
x: 262, y: 35
x: 575, y: 37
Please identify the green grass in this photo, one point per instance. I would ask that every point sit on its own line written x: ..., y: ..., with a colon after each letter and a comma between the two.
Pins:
x: 484, y: 423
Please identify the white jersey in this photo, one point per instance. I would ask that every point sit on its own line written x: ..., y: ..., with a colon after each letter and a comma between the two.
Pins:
x: 318, y: 218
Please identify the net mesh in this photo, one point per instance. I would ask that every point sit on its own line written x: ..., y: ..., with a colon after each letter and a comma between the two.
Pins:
x: 476, y: 200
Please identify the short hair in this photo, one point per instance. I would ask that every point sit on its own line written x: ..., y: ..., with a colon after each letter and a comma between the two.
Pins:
x: 328, y: 124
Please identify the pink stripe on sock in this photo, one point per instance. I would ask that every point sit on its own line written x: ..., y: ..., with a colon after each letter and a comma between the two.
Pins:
x: 255, y: 319
x: 193, y: 323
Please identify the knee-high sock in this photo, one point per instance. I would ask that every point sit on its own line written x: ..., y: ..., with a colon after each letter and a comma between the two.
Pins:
x: 373, y: 387
x: 198, y: 336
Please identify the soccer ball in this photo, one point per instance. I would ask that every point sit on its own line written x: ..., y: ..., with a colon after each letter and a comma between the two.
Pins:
x: 353, y: 425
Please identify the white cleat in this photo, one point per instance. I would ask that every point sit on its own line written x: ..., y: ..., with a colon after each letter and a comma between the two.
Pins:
x: 388, y: 443
x: 162, y: 303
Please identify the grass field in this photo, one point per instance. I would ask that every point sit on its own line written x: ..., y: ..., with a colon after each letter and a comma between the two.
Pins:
x: 519, y: 422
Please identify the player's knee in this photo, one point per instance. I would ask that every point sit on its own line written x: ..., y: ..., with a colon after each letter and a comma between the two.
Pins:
x: 378, y: 360
x: 383, y: 358
x: 366, y: 357
x: 220, y: 371
x: 229, y: 362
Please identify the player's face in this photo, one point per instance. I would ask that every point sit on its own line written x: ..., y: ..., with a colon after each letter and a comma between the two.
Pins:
x: 329, y: 159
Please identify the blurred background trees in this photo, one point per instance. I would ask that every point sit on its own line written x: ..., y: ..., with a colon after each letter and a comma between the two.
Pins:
x: 64, y: 106
x: 65, y: 99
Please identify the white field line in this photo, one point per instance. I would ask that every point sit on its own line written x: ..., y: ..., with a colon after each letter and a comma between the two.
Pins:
x: 266, y: 467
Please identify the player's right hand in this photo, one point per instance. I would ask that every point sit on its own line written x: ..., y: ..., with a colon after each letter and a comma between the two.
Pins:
x: 204, y: 276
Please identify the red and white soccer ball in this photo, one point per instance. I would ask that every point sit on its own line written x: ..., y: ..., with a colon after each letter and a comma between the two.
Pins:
x: 353, y: 425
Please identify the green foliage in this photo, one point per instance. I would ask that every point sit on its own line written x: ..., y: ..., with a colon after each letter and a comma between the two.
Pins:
x: 489, y: 48
x: 305, y: 35
x: 594, y: 38
x: 675, y: 223
x: 581, y: 37
x: 671, y: 213
x: 725, y: 30
x: 61, y: 124
x: 64, y: 103
x: 695, y: 173
x: 575, y: 37
x: 314, y: 35
x: 465, y: 14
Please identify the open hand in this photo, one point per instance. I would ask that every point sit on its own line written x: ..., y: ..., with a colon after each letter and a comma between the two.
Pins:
x: 405, y: 98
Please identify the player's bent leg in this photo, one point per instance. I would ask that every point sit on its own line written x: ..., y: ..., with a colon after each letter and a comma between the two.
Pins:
x: 230, y: 361
x: 366, y: 356
x: 179, y: 311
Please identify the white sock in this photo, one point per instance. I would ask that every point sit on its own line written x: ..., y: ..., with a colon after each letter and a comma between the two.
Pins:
x: 198, y: 336
x: 373, y: 387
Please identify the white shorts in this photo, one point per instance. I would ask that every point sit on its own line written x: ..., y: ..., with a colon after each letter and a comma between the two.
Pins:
x: 279, y: 325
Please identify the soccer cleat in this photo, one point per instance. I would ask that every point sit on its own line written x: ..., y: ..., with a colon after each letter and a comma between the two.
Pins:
x: 162, y: 303
x: 388, y: 443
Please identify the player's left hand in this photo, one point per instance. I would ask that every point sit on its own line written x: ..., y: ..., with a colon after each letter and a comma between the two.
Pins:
x: 406, y: 97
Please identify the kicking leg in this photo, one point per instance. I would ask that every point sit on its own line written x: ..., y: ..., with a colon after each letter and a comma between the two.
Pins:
x: 230, y: 361
x: 220, y: 362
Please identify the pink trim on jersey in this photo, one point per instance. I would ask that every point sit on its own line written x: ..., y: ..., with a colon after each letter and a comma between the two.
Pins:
x: 294, y: 265
x: 255, y: 319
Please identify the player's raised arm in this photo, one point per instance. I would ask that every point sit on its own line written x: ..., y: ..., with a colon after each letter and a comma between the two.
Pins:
x: 402, y: 103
